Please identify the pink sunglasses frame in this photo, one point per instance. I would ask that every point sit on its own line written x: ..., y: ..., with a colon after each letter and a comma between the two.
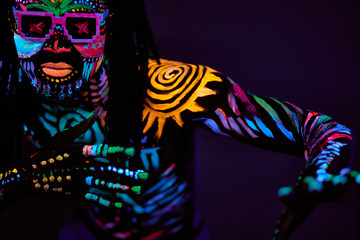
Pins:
x: 60, y: 21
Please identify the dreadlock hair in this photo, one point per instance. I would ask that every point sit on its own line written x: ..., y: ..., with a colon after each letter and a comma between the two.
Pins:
x: 127, y: 48
x: 129, y: 43
x: 10, y: 123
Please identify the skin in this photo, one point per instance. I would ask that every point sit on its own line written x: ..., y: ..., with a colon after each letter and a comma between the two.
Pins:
x: 180, y: 94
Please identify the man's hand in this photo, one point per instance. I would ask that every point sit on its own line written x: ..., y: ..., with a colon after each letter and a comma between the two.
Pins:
x: 96, y: 173
x: 310, y: 190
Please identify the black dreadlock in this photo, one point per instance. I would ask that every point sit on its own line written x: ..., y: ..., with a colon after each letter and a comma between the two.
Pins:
x: 10, y: 123
x: 128, y: 49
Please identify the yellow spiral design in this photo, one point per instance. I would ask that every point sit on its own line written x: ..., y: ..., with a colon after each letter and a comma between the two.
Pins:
x: 171, y: 85
x: 174, y: 88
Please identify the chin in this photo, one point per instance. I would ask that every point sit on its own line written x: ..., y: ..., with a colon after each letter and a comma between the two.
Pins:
x: 59, y: 80
x: 54, y: 88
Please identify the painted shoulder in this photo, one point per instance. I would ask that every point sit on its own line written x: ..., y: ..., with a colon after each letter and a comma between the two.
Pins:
x: 174, y: 88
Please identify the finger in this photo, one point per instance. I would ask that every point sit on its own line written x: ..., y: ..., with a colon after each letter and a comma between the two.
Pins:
x: 70, y: 134
x: 354, y: 176
x: 103, y: 198
x: 113, y: 185
x: 66, y: 137
x: 291, y: 218
x: 45, y: 164
x: 104, y: 150
x: 58, y: 182
x: 339, y: 181
x: 286, y: 195
x: 312, y: 185
x: 283, y: 230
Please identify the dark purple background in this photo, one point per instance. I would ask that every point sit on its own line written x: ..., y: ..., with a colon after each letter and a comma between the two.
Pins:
x: 306, y: 52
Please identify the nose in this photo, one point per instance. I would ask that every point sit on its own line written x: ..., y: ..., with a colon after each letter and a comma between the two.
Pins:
x: 58, y: 42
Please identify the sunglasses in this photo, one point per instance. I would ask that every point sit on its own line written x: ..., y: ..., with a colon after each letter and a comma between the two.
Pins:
x: 78, y: 27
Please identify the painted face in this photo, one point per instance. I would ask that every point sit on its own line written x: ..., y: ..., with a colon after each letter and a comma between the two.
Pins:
x: 60, y: 44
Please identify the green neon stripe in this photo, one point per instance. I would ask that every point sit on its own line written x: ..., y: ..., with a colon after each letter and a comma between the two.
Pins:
x: 75, y: 6
x: 42, y: 7
x: 64, y: 3
x: 118, y: 205
x: 266, y: 106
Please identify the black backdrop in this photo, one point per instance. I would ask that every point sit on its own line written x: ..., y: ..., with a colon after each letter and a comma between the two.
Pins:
x: 304, y: 51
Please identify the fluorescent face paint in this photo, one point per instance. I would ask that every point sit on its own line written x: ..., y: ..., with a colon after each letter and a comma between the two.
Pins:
x: 94, y: 49
x: 26, y: 49
x: 60, y: 65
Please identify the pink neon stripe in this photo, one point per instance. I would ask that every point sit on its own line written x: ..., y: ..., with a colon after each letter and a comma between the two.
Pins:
x: 57, y: 51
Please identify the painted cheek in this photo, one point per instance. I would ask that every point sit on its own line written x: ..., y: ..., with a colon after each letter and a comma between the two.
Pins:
x: 26, y: 49
x: 92, y: 50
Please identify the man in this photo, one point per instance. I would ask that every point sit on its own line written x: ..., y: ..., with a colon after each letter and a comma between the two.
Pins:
x: 132, y: 156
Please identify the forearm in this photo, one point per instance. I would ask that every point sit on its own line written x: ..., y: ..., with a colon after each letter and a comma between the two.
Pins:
x: 90, y: 172
x: 329, y: 145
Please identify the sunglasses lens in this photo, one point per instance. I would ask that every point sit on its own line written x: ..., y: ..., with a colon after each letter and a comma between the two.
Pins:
x: 81, y: 28
x: 35, y: 26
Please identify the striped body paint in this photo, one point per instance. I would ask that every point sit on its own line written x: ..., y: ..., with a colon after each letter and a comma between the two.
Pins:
x: 175, y: 87
x: 181, y: 95
x: 222, y: 106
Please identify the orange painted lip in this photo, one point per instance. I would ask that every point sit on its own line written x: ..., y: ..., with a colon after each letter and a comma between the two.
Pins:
x: 59, y: 69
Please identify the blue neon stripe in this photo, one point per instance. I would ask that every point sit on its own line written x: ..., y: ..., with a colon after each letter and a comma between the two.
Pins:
x: 263, y: 128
